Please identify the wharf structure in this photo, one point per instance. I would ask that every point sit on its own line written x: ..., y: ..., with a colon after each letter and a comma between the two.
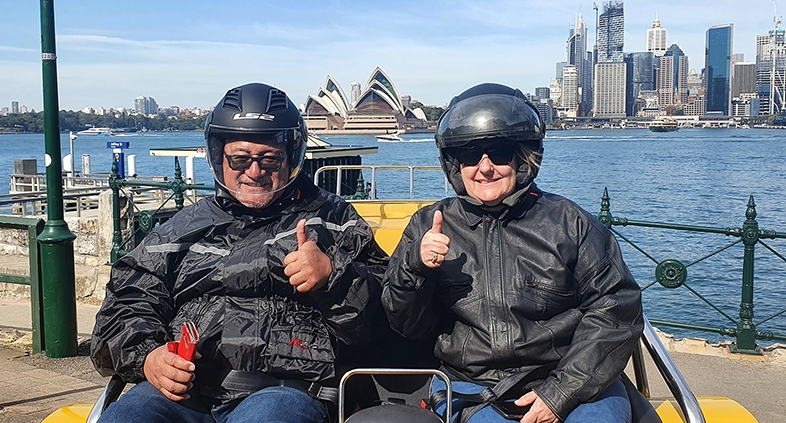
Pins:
x: 378, y: 109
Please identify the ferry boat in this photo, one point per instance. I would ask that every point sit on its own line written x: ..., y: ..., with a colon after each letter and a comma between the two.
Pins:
x: 96, y: 131
x: 666, y: 125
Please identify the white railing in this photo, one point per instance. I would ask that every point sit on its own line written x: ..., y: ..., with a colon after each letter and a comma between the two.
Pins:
x: 372, y: 189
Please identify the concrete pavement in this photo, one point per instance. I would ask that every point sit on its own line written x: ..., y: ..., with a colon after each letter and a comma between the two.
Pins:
x: 32, y: 386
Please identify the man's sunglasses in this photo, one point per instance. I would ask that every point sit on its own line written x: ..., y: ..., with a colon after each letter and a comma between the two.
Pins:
x: 241, y: 162
x: 498, y: 154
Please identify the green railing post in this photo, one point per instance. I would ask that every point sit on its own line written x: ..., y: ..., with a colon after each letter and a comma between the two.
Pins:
x: 115, y: 182
x: 605, y: 209
x: 179, y: 186
x: 746, y: 329
x: 56, y: 240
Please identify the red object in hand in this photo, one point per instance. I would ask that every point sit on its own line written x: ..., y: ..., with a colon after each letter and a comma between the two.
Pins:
x: 187, y: 345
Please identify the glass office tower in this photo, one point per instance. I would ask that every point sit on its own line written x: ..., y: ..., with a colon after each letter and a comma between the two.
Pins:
x: 640, y: 77
x: 717, y: 68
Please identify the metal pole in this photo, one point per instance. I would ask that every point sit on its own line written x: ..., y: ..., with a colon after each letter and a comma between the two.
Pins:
x: 746, y: 329
x: 56, y: 240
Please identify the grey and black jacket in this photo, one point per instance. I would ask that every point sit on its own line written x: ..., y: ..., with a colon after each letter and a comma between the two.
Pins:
x: 220, y: 265
x: 538, y: 287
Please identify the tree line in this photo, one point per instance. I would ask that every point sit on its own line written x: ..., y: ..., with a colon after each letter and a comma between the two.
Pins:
x: 76, y: 121
x: 33, y: 122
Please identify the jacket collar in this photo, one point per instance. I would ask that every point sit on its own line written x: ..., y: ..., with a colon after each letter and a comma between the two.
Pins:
x: 514, y: 206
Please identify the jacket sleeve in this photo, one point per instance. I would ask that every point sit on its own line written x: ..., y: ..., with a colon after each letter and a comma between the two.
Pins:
x: 350, y: 301
x: 133, y: 318
x: 610, y: 302
x: 408, y: 288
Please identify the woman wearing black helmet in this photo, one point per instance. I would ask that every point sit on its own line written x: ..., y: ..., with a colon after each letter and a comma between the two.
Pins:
x: 534, y: 311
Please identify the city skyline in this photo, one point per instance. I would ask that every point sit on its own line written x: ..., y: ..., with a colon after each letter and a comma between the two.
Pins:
x: 190, y: 55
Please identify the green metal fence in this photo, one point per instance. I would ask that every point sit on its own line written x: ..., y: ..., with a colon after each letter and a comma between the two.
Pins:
x: 146, y: 218
x: 672, y: 273
x: 33, y: 226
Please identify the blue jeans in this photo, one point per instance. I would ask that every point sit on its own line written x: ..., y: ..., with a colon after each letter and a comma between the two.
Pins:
x: 612, y: 406
x: 277, y: 404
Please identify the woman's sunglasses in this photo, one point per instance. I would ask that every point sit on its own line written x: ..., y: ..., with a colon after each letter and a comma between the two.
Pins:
x: 498, y: 154
x: 241, y: 162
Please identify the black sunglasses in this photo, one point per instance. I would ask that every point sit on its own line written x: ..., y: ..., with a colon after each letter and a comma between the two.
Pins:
x: 240, y: 162
x: 498, y: 154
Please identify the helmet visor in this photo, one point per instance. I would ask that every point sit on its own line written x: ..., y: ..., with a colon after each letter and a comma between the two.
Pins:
x: 489, y: 116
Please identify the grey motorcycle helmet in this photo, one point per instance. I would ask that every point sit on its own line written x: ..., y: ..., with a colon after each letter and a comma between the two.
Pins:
x: 489, y: 113
x: 258, y: 113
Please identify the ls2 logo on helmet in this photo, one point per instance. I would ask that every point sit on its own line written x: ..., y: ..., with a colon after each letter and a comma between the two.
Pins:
x: 253, y: 115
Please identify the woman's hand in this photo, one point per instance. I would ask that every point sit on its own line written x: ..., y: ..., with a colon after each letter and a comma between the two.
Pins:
x: 539, y: 412
x: 435, y: 245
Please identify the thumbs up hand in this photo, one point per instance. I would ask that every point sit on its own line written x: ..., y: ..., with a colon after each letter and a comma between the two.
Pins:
x: 308, y: 267
x: 434, y: 245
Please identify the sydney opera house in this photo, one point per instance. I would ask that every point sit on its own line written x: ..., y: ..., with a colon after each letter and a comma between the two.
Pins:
x: 378, y: 108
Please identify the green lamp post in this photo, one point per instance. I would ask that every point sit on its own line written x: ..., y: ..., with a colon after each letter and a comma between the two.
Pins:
x: 56, y: 240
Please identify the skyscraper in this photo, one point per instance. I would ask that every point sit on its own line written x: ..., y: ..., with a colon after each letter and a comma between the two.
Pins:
x: 665, y: 84
x: 14, y: 106
x: 609, y: 87
x: 610, y: 90
x: 354, y: 92
x: 145, y: 106
x: 560, y: 66
x: 640, y: 69
x: 656, y: 38
x: 771, y: 71
x: 579, y: 57
x: 611, y: 33
x: 680, y: 71
x: 717, y: 68
x: 570, y: 92
x: 744, y: 81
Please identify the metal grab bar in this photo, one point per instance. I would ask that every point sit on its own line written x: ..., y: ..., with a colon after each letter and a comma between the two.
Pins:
x: 688, y: 403
x: 373, y: 169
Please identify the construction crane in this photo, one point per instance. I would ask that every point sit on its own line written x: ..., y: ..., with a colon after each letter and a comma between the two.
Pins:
x: 777, y: 77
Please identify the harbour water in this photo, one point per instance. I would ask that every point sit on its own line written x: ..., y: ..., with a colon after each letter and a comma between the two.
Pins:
x: 692, y: 176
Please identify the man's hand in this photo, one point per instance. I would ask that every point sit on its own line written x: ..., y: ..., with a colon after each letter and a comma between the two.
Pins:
x: 171, y: 374
x: 434, y: 245
x: 308, y: 268
x: 539, y: 413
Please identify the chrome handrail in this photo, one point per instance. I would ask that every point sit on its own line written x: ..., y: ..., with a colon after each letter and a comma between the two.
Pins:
x: 373, y: 169
x: 689, y: 405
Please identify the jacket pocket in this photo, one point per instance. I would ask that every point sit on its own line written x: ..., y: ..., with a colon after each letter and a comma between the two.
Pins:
x: 540, y: 297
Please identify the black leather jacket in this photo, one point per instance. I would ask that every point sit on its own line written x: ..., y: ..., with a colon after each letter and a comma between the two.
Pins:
x: 220, y: 265
x: 539, y: 287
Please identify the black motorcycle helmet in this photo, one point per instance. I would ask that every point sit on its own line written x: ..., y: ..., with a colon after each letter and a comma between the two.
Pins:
x: 490, y: 113
x: 258, y: 113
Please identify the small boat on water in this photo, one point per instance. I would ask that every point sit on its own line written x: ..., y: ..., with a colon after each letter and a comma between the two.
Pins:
x: 390, y: 137
x: 96, y: 131
x: 665, y: 125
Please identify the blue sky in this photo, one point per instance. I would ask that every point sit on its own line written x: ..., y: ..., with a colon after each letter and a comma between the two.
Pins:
x: 189, y: 53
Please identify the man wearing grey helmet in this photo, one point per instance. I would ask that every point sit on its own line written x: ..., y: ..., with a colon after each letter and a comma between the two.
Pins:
x: 278, y: 277
x: 535, y: 313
